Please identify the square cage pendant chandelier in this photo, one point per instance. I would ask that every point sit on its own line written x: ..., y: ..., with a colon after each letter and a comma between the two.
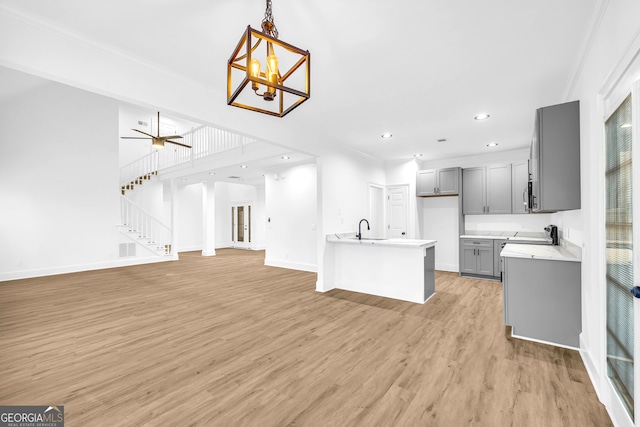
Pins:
x: 284, y: 83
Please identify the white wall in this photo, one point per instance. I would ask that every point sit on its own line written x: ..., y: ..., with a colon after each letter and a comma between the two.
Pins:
x: 291, y: 220
x: 58, y: 179
x: 614, y: 34
x: 440, y: 222
x: 188, y: 231
x: 343, y: 200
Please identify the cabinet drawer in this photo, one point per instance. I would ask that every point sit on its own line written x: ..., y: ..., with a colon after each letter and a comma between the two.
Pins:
x: 478, y: 243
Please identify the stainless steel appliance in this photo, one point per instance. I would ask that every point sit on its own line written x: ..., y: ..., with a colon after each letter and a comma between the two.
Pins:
x: 552, y: 234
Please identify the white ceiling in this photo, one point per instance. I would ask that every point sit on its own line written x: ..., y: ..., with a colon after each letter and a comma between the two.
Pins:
x: 420, y: 69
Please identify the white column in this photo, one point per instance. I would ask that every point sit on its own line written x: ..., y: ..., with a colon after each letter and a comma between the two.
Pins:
x: 208, y: 219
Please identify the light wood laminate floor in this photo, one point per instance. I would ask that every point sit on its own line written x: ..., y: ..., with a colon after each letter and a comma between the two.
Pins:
x: 227, y: 341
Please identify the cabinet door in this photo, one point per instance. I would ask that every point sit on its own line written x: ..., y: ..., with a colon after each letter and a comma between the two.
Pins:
x: 519, y: 179
x: 473, y: 185
x: 468, y: 263
x: 447, y: 182
x: 499, y: 189
x: 426, y: 183
x: 485, y: 260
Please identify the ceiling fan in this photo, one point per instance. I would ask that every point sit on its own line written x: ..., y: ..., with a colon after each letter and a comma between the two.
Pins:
x: 157, y: 141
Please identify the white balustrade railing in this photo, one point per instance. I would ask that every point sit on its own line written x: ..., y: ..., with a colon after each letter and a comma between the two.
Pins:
x: 145, y: 226
x: 204, y: 141
x: 144, y: 166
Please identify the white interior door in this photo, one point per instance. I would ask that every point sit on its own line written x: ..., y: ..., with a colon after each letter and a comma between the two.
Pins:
x: 397, y: 211
x: 241, y: 226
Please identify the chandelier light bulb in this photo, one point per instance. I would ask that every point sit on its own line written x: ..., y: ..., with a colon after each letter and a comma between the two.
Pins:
x: 254, y: 69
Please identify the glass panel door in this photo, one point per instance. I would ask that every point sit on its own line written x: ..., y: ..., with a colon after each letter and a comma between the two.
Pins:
x: 619, y: 253
x: 240, y: 223
x: 241, y: 226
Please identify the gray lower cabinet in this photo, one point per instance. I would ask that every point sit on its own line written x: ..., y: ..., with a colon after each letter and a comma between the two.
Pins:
x: 476, y: 257
x: 487, y: 190
x: 542, y: 300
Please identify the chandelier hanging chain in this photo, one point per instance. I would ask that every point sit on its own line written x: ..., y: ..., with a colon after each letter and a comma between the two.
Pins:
x: 268, y: 26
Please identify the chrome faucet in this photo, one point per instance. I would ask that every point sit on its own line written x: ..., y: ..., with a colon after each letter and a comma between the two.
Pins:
x: 359, y: 235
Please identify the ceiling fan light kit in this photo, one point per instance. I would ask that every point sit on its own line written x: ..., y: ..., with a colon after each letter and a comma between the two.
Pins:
x: 284, y: 83
x: 157, y: 141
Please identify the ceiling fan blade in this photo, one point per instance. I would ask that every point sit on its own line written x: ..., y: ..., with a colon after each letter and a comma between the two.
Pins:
x: 144, y: 133
x: 170, y: 136
x: 133, y: 137
x: 178, y: 143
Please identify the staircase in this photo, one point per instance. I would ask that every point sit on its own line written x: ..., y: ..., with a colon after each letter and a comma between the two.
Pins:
x: 138, y: 224
x: 141, y: 227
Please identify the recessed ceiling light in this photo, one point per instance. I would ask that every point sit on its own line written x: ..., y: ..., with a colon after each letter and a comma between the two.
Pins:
x: 492, y: 144
x: 482, y: 116
x: 417, y: 155
x: 285, y: 157
x: 626, y: 125
x: 386, y: 135
x: 212, y: 173
x: 244, y: 166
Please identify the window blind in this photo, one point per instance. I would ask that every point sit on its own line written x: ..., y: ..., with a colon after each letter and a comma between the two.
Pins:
x: 619, y: 250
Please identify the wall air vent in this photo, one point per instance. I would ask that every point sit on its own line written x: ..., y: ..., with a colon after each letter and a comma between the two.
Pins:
x: 141, y: 123
x: 233, y: 177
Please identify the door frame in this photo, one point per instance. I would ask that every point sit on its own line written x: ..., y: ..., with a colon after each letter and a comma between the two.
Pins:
x: 621, y: 82
x: 383, y: 211
x: 247, y: 217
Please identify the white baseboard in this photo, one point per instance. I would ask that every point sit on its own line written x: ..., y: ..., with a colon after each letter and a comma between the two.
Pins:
x: 323, y: 286
x: 448, y: 267
x: 594, y: 374
x: 50, y: 271
x: 209, y: 253
x: 312, y: 268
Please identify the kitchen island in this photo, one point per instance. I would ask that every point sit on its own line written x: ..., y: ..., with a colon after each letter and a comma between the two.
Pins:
x: 402, y: 269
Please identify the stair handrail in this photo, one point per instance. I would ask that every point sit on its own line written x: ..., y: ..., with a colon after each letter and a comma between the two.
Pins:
x: 146, y: 165
x: 146, y: 224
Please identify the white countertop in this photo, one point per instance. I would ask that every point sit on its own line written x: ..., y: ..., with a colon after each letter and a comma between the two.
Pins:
x: 349, y: 238
x: 543, y: 252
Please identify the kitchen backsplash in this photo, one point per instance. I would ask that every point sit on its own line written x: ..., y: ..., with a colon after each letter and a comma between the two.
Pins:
x: 533, y: 222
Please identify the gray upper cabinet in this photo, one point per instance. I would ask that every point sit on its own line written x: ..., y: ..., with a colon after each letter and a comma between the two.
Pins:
x: 520, y: 179
x: 438, y: 182
x: 555, y: 158
x: 473, y: 187
x: 487, y: 190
